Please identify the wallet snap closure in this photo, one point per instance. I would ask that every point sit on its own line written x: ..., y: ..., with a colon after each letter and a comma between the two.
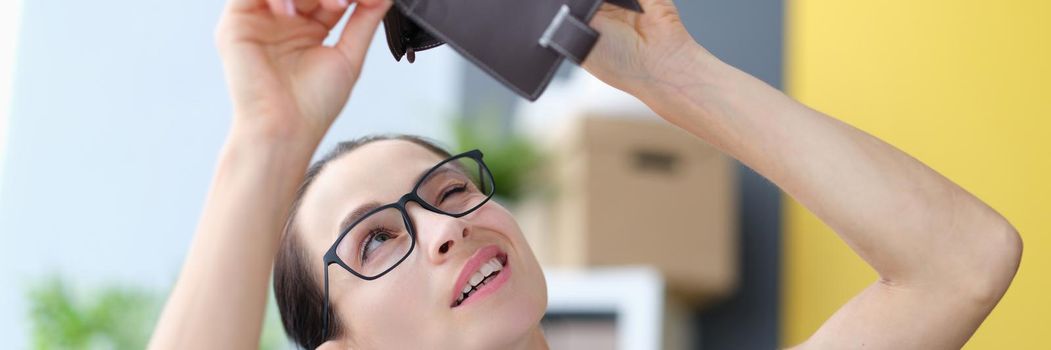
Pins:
x: 569, y: 36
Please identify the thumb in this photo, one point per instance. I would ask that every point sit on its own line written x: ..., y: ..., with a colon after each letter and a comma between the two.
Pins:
x: 358, y: 32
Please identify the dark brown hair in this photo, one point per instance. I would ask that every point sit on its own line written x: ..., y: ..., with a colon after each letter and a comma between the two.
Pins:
x: 300, y: 298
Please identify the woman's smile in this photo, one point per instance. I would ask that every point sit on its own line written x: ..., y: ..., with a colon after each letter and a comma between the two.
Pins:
x: 482, y: 275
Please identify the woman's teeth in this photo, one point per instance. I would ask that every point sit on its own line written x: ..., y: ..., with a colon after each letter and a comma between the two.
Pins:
x: 478, y: 279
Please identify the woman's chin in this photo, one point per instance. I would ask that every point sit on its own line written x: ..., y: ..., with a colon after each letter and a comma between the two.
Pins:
x: 503, y: 319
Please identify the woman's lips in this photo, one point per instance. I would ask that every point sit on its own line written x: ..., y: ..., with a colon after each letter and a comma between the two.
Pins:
x: 473, y: 264
x: 489, y: 287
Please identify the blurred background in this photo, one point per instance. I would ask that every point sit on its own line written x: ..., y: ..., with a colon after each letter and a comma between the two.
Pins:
x: 112, y: 115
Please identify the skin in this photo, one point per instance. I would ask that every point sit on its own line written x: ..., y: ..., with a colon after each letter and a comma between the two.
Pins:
x: 944, y: 258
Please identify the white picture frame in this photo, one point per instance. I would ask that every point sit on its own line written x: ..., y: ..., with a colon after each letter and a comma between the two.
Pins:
x: 635, y: 295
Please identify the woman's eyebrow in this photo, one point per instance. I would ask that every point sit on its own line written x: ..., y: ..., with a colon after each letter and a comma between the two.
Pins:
x: 444, y: 169
x: 356, y: 214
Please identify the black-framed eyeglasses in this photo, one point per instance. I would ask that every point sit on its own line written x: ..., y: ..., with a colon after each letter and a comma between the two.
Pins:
x: 378, y: 241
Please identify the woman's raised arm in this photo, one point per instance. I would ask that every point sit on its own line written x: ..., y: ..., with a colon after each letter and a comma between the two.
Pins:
x: 944, y: 258
x: 287, y: 89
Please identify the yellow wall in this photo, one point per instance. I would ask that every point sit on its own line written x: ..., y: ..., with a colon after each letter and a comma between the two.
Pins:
x: 965, y: 86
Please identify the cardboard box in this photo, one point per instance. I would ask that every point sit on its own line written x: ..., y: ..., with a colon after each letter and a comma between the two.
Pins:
x: 641, y: 192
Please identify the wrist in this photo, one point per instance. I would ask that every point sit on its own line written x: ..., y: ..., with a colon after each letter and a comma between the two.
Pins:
x: 687, y: 88
x: 698, y: 93
x: 284, y: 132
x: 690, y: 66
x: 258, y: 143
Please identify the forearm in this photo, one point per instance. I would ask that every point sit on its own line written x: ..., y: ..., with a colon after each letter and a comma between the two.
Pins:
x: 907, y: 221
x: 219, y: 299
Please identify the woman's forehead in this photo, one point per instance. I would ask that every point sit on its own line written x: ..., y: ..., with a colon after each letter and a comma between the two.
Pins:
x: 380, y: 171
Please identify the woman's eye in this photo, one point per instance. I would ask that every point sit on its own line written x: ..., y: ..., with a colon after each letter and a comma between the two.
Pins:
x: 373, y: 242
x: 452, y: 191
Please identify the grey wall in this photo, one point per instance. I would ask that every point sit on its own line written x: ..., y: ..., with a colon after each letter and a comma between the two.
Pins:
x: 747, y: 34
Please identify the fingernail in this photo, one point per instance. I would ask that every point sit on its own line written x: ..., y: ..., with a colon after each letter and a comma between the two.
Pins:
x: 343, y: 3
x: 290, y: 8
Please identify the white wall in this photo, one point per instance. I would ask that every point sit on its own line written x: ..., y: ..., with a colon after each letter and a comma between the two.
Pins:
x: 118, y: 112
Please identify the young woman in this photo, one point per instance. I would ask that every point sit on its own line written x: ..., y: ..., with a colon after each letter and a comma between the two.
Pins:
x: 409, y: 253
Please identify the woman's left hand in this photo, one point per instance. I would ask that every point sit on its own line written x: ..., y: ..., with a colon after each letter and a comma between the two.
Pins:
x: 636, y: 49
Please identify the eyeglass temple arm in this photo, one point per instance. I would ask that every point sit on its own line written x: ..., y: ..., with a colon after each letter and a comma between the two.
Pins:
x: 324, y: 314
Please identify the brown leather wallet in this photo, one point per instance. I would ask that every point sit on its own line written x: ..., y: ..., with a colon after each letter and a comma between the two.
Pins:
x: 518, y: 42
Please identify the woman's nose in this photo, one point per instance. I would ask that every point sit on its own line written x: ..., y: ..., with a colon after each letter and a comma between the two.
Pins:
x: 439, y: 235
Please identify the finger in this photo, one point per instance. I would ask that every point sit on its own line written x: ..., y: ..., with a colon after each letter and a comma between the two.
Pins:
x: 358, y: 32
x: 609, y: 11
x: 608, y: 7
x: 282, y: 7
x: 287, y: 8
x: 330, y: 11
x: 335, y: 5
x: 277, y: 7
x: 306, y: 6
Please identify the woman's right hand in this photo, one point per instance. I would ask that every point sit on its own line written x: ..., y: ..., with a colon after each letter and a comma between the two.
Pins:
x: 287, y: 89
x: 283, y: 81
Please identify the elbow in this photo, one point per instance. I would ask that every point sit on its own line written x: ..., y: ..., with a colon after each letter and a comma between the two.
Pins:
x: 998, y: 260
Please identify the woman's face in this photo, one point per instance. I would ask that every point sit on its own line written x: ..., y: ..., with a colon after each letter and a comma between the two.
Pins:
x: 415, y: 305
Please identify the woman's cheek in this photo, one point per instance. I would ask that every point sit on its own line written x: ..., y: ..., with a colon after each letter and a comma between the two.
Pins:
x: 495, y: 217
x: 380, y: 309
